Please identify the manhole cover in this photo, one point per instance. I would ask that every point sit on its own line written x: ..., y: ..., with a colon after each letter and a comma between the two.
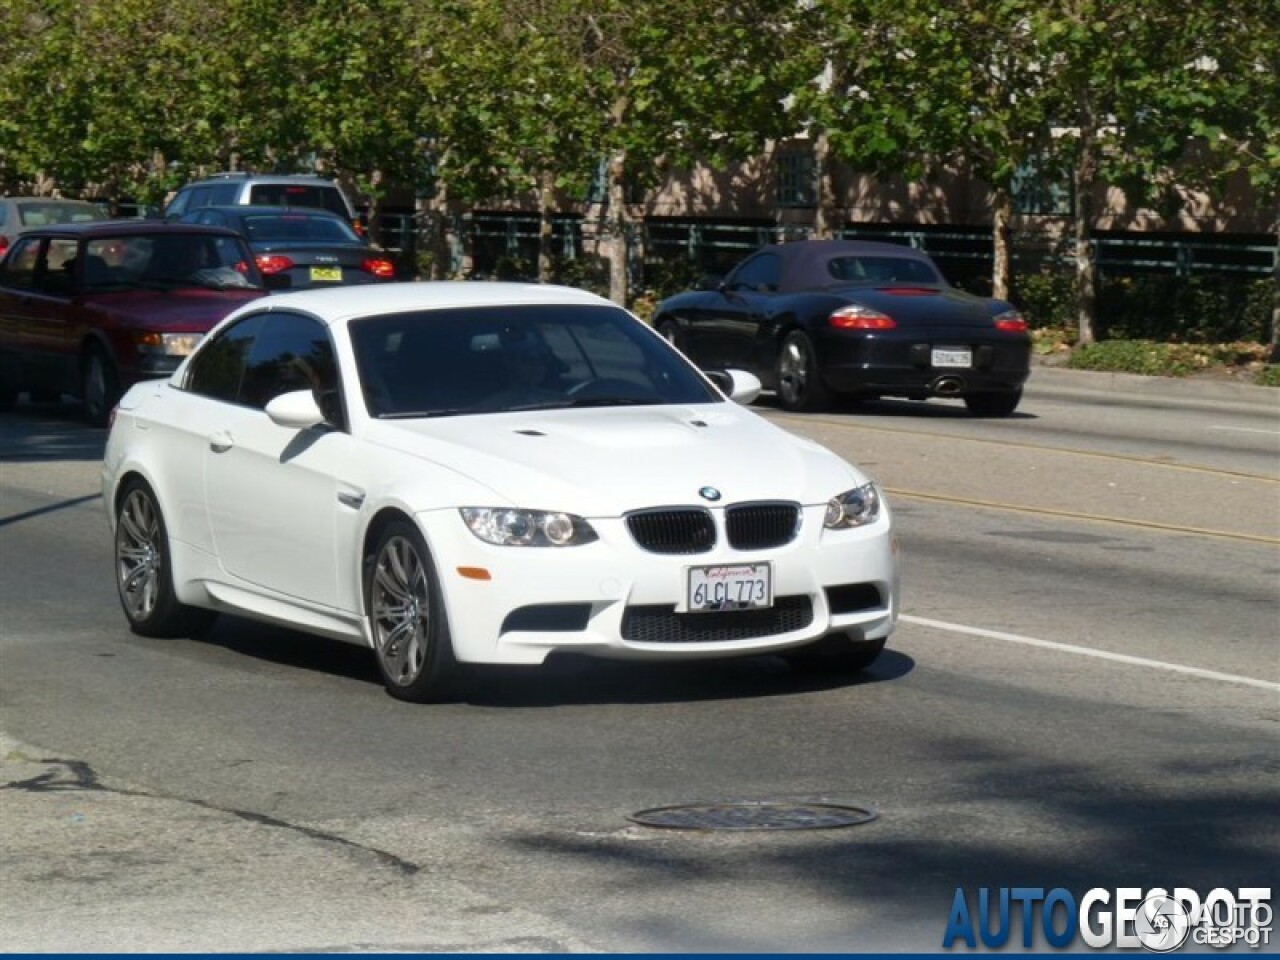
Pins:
x: 753, y: 815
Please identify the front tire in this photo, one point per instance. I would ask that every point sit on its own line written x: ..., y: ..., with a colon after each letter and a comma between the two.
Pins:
x: 99, y: 386
x: 407, y: 618
x: 144, y: 569
x: 1000, y: 403
x: 800, y: 386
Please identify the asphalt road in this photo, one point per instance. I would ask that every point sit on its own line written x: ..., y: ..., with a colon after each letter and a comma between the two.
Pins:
x: 1084, y: 691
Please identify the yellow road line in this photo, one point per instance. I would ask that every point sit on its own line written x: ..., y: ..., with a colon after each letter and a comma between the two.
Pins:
x: 1069, y: 515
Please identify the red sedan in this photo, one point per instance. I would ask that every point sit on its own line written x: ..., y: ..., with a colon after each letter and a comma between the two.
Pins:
x: 90, y: 309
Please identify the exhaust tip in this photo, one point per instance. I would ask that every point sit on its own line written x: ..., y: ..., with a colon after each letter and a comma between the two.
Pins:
x: 948, y: 386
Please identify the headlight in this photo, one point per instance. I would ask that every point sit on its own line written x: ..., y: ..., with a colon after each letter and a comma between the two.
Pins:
x: 509, y: 527
x: 853, y: 508
x: 167, y: 344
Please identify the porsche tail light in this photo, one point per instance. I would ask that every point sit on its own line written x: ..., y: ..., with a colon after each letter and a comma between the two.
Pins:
x: 272, y: 262
x: 1011, y: 321
x: 383, y: 269
x: 855, y: 316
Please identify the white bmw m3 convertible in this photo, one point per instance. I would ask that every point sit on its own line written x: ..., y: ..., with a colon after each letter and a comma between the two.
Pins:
x: 469, y: 473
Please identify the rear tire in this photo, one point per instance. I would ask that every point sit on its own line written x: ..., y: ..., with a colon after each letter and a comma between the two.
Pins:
x: 836, y: 655
x: 407, y: 618
x: 99, y: 386
x: 144, y: 569
x: 800, y: 386
x: 994, y: 404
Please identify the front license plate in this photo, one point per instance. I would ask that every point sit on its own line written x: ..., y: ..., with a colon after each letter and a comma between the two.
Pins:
x: 748, y: 586
x: 326, y: 274
x: 952, y: 357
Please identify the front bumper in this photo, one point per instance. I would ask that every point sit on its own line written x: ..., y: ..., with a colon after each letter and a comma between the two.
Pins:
x: 613, y: 599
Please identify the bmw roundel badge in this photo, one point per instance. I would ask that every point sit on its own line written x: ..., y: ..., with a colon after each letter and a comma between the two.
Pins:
x: 709, y: 493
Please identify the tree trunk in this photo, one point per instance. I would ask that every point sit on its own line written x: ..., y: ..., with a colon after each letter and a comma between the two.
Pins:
x: 618, y: 224
x: 1086, y: 290
x: 1001, y: 214
x: 1273, y: 355
x: 825, y: 218
x: 546, y: 207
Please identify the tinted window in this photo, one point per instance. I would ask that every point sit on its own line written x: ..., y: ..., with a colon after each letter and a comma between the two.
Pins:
x: 298, y: 195
x: 168, y: 261
x: 298, y: 227
x: 492, y: 359
x: 760, y: 273
x: 20, y: 268
x: 292, y: 352
x: 218, y: 368
x: 882, y: 270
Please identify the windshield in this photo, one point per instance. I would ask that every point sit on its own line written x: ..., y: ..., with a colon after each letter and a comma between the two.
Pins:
x: 520, y: 357
x: 168, y: 261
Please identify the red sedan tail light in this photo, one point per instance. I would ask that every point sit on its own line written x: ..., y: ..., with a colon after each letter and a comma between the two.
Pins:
x: 272, y: 262
x: 383, y: 269
x: 855, y: 316
x: 1011, y: 321
x: 4, y: 244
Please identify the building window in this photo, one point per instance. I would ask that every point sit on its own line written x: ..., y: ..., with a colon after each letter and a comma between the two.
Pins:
x: 1038, y: 191
x: 796, y: 184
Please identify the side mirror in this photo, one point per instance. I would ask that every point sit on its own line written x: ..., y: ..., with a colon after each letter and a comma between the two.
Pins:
x: 738, y: 385
x: 709, y: 281
x: 297, y: 410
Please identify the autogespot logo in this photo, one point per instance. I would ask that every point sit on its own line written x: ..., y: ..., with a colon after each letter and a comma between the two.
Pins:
x: 1125, y: 918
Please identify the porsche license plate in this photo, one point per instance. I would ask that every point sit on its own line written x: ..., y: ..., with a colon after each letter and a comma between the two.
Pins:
x: 748, y: 586
x: 952, y: 357
x: 326, y: 274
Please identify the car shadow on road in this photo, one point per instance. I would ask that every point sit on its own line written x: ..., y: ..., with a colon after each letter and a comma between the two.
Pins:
x: 564, y: 679
x: 891, y: 408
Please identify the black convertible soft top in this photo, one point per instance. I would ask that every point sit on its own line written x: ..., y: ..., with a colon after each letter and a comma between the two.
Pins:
x: 805, y: 263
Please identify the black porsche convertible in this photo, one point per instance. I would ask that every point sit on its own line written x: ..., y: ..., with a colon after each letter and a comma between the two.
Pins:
x: 819, y: 318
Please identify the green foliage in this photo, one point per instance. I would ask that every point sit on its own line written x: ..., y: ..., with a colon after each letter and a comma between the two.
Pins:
x: 1165, y: 359
x: 1201, y: 309
x: 1045, y: 298
x: 1268, y: 376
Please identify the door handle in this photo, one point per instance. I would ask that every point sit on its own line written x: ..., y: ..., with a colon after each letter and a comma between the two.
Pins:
x: 220, y: 442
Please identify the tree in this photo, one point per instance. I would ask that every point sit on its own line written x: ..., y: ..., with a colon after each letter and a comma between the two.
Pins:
x: 1096, y: 90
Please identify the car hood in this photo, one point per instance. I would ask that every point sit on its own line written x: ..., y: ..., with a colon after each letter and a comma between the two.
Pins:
x: 604, y: 462
x: 179, y: 311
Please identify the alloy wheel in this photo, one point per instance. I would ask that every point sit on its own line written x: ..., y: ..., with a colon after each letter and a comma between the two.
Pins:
x: 401, y: 610
x: 793, y: 371
x: 139, y: 555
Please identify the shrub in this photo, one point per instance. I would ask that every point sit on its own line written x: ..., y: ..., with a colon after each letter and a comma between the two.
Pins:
x: 1268, y: 376
x: 1164, y: 359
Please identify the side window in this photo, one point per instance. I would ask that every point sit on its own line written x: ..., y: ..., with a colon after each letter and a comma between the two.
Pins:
x: 217, y: 370
x: 223, y: 193
x: 19, y: 270
x: 760, y: 274
x: 178, y: 205
x: 292, y: 352
x: 209, y: 216
x: 58, y: 276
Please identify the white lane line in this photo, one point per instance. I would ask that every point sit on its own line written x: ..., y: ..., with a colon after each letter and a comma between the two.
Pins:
x: 1270, y: 433
x: 1090, y: 652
